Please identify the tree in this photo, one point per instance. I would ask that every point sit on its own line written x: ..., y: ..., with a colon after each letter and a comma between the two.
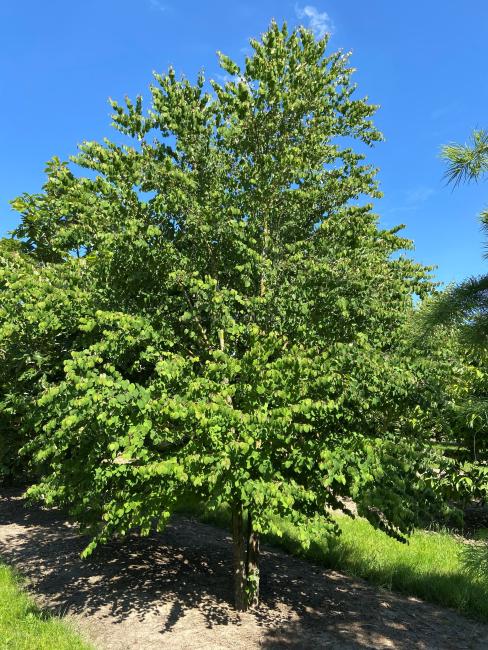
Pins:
x: 466, y: 305
x: 242, y: 334
x: 462, y: 310
x: 452, y: 383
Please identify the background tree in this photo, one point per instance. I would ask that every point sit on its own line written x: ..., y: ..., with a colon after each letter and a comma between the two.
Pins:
x: 241, y: 336
x: 452, y: 386
x: 40, y: 310
x: 459, y: 316
x: 466, y: 305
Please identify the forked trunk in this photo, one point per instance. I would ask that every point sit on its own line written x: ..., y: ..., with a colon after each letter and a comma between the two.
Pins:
x: 246, y: 560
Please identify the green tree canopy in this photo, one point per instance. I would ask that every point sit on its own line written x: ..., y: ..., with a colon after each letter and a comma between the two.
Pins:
x: 224, y: 316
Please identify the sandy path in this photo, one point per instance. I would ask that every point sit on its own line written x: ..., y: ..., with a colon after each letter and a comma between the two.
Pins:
x: 173, y: 591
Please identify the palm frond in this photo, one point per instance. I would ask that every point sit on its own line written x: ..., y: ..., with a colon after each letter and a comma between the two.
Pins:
x: 464, y: 306
x: 469, y: 161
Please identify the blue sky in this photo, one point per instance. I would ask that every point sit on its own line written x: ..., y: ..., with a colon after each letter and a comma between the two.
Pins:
x: 425, y: 63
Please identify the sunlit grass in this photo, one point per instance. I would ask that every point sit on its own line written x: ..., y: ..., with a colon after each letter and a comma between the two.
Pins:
x: 24, y: 627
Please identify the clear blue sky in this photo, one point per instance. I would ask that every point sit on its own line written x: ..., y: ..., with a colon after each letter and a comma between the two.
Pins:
x: 425, y: 63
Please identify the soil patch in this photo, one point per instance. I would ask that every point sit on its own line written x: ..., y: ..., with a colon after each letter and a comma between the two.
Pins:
x: 173, y: 590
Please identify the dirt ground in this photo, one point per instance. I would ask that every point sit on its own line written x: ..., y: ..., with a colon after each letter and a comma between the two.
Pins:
x: 173, y: 590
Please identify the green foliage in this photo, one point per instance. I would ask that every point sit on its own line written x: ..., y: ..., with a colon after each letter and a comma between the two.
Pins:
x: 40, y: 308
x: 454, y: 409
x: 454, y: 384
x: 225, y: 317
x: 475, y: 557
x: 24, y: 627
x: 465, y: 305
x: 467, y: 162
x: 462, y: 311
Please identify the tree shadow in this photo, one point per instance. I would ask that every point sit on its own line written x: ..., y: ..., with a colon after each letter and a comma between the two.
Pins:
x: 189, y: 567
x: 130, y: 576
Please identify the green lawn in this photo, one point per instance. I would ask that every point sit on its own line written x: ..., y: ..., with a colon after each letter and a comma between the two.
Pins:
x: 433, y: 566
x: 24, y: 627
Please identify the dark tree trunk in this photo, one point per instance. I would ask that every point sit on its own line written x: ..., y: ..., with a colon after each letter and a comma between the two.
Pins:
x: 239, y: 558
x: 252, y: 564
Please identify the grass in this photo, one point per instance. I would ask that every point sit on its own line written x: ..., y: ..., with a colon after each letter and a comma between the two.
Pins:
x: 434, y: 566
x: 23, y: 626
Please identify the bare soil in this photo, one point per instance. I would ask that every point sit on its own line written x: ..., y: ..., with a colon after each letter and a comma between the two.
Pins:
x: 173, y: 590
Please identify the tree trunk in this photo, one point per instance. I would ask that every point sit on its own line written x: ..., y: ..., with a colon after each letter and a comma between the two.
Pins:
x: 239, y: 558
x: 252, y: 564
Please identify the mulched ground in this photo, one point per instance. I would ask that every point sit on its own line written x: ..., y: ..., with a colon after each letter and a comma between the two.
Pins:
x: 173, y: 590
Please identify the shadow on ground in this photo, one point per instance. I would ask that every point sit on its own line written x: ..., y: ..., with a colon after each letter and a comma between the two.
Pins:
x: 186, y: 572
